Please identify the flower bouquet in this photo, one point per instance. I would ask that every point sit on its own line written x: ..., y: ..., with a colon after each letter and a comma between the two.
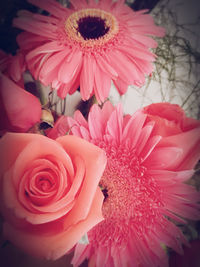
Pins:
x: 108, y: 188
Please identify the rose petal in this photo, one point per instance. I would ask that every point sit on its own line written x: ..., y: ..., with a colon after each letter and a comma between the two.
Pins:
x: 17, y: 103
x: 189, y: 142
x: 53, y: 247
x: 95, y: 162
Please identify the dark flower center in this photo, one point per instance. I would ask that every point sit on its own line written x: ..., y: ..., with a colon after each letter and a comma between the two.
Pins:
x: 92, y: 27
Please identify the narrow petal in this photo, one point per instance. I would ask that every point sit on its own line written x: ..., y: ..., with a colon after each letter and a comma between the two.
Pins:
x: 102, y: 85
x: 114, y: 124
x: 87, y: 76
x: 133, y: 128
x: 70, y: 67
x: 36, y: 27
x: 151, y: 144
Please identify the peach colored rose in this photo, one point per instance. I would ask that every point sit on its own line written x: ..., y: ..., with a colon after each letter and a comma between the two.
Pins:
x: 49, y: 191
x: 169, y: 119
x: 178, y: 131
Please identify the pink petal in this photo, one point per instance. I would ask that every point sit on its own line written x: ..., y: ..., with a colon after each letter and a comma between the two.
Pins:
x: 121, y: 86
x: 164, y: 158
x: 150, y: 146
x: 144, y: 137
x: 49, y: 47
x: 106, y: 67
x: 95, y: 162
x: 95, y: 123
x: 114, y: 124
x: 145, y: 40
x: 122, y: 66
x: 133, y: 128
x: 53, y: 61
x: 17, y: 103
x: 189, y: 142
x: 70, y: 67
x: 80, y: 119
x: 87, y: 76
x: 102, y: 85
x: 54, y: 246
x: 36, y: 27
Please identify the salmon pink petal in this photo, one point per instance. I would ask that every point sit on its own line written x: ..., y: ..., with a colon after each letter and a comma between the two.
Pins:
x: 60, y: 128
x: 74, y: 127
x: 189, y: 142
x: 114, y: 124
x: 70, y: 68
x: 21, y: 212
x: 17, y: 102
x: 53, y: 62
x: 95, y: 161
x: 106, y: 67
x: 55, y: 246
x: 97, y: 120
x: 33, y: 151
x: 150, y: 146
x: 121, y: 86
x: 94, y: 123
x: 130, y: 131
x: 80, y: 119
x: 164, y: 158
x: 46, y: 48
x: 123, y: 66
x: 87, y: 76
x: 103, y: 84
x: 144, y: 137
x: 37, y: 27
x: 171, y: 176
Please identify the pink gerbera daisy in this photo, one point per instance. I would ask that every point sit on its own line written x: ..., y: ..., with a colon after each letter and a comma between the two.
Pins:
x: 150, y: 156
x: 88, y: 44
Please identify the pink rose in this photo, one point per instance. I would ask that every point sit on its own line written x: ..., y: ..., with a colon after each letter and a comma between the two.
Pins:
x: 49, y: 191
x: 169, y: 119
x: 178, y: 131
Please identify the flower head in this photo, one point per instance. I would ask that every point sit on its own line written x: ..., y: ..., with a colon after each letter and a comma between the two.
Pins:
x: 143, y: 183
x: 49, y: 191
x: 89, y: 45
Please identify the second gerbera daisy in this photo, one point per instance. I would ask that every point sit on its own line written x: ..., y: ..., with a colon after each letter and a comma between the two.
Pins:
x: 149, y: 157
x: 89, y: 45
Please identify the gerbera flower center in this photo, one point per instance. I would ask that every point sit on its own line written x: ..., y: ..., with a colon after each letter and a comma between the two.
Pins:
x: 132, y: 197
x: 91, y: 27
